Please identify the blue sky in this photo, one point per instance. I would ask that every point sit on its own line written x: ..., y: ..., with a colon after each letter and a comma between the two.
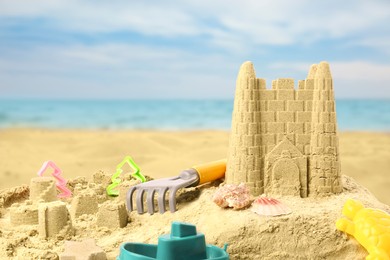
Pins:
x: 188, y: 49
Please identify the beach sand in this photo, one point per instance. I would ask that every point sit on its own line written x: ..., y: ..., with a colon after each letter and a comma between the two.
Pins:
x: 95, y: 154
x: 364, y: 156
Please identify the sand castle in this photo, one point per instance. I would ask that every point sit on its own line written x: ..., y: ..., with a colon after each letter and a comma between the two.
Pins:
x: 284, y: 140
x: 41, y: 209
x: 112, y: 214
x: 42, y: 190
x: 54, y: 220
x: 84, y: 203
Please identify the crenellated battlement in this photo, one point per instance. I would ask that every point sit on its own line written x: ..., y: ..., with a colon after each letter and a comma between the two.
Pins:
x: 263, y: 118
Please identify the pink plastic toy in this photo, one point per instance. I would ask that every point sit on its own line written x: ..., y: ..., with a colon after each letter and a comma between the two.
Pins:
x: 61, y: 182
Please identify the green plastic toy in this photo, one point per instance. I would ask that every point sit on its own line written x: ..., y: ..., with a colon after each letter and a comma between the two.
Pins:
x: 184, y: 243
x: 115, y: 177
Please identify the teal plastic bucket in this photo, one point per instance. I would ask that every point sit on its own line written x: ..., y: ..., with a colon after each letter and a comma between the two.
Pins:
x: 216, y: 253
x: 137, y: 251
x: 184, y: 243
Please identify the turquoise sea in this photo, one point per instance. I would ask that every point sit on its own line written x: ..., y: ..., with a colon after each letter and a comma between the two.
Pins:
x: 359, y: 115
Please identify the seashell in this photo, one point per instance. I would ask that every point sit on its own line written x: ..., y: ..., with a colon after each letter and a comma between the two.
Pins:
x: 219, y: 200
x: 233, y: 196
x: 269, y: 207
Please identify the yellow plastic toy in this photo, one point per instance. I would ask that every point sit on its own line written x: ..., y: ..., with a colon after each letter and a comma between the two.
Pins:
x: 370, y: 227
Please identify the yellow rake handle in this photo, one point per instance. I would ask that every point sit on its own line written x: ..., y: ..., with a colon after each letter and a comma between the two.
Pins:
x: 211, y: 171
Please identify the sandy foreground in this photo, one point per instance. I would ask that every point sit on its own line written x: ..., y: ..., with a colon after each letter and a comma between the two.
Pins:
x: 364, y: 156
x: 308, y: 233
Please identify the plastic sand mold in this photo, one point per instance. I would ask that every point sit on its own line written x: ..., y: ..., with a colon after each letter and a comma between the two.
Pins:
x: 115, y: 177
x: 61, y: 182
x: 370, y: 227
x: 184, y: 242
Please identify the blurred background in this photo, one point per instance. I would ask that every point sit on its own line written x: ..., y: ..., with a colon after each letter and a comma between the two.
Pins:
x: 187, y: 49
x: 74, y: 53
x: 172, y: 65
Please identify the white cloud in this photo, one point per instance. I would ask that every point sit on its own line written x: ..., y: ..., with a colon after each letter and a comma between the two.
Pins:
x: 380, y: 42
x: 116, y: 70
x: 361, y: 70
x: 344, y: 70
x: 104, y: 16
x: 353, y: 79
x: 227, y: 24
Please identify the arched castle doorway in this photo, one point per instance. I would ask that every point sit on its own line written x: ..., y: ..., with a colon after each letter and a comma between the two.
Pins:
x: 286, y: 171
x: 285, y: 177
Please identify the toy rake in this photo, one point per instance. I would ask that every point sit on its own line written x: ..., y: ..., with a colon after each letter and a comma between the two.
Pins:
x: 188, y: 178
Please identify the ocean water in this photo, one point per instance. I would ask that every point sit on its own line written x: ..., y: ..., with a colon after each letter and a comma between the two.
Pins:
x: 359, y: 115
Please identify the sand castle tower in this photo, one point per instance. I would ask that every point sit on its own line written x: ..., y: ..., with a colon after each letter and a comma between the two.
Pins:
x: 43, y: 209
x: 324, y: 153
x: 244, y: 157
x: 284, y: 141
x: 43, y: 189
